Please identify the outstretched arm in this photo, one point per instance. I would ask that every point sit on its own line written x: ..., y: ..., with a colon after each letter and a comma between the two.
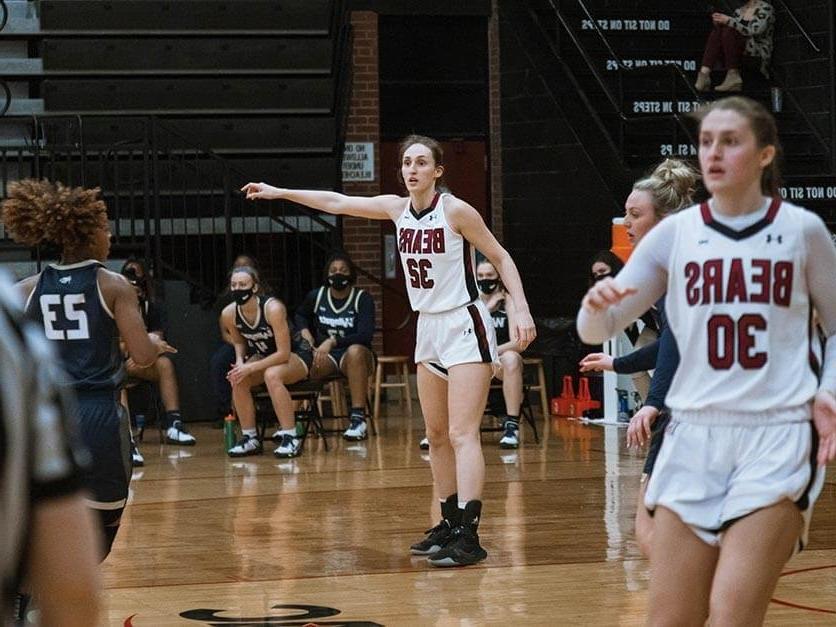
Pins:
x: 373, y: 207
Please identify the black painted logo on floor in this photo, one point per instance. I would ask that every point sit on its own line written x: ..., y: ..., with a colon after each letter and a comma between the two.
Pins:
x: 305, y: 614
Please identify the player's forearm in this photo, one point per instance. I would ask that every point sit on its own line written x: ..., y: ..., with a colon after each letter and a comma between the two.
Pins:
x: 329, y: 202
x: 513, y: 283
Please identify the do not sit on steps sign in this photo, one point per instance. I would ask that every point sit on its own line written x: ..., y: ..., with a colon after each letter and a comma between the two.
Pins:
x: 358, y: 161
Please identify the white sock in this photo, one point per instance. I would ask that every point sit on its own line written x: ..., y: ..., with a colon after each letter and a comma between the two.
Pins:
x: 290, y: 432
x: 462, y: 504
x: 253, y: 433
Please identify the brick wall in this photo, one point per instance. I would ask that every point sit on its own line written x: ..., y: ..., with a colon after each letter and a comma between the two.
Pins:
x: 361, y: 238
x: 494, y: 123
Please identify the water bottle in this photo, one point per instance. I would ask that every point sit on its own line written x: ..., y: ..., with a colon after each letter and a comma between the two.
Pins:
x: 623, y: 406
x: 139, y: 419
x: 229, y: 431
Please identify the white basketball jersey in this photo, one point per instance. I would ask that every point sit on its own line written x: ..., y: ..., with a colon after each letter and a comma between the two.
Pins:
x: 738, y: 306
x: 438, y: 263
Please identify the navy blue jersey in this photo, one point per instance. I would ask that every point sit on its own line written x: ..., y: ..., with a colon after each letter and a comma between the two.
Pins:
x: 348, y: 321
x: 69, y: 305
x: 500, y: 325
x: 259, y: 335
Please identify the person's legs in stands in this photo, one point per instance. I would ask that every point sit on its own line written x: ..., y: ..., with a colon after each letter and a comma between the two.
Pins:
x: 357, y: 365
x: 712, y: 55
x: 162, y: 373
x: 511, y: 376
x: 734, y: 44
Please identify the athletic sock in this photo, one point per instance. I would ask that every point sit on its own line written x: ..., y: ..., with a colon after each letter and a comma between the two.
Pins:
x: 358, y: 413
x: 514, y: 421
x: 172, y: 417
x: 253, y: 433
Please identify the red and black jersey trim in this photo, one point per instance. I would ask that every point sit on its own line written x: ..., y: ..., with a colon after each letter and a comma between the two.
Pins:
x: 481, y: 334
x: 469, y: 277
x: 813, y: 336
x: 420, y: 214
x: 753, y: 229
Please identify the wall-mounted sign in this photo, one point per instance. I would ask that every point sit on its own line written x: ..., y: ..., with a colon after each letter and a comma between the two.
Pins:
x: 358, y: 161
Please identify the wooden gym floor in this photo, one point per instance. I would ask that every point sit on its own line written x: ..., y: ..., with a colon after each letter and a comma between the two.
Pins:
x: 207, y: 540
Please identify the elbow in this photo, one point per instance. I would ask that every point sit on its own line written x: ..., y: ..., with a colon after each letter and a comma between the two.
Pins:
x: 590, y: 335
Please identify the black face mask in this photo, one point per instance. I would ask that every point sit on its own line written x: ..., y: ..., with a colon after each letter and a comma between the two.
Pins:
x: 242, y: 296
x: 339, y: 281
x: 488, y: 286
x: 598, y: 277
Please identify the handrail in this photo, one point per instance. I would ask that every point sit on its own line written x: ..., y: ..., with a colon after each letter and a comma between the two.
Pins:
x: 603, y: 84
x: 7, y: 95
x: 4, y: 20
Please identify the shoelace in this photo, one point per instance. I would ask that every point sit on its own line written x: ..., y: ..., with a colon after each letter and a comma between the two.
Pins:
x: 355, y: 422
x: 287, y: 441
x: 442, y: 525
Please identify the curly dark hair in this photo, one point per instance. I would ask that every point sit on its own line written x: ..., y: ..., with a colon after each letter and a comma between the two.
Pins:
x: 42, y: 212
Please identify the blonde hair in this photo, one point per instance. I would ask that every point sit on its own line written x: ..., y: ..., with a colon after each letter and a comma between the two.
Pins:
x: 671, y: 186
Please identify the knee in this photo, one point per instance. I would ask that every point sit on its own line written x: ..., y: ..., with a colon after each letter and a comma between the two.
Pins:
x: 243, y: 386
x: 512, y: 363
x: 437, y: 436
x: 462, y: 436
x: 273, y: 378
x: 355, y: 354
x: 165, y: 367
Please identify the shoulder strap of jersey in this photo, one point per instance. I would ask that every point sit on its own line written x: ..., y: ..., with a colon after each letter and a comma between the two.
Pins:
x: 319, y: 296
x: 357, y: 299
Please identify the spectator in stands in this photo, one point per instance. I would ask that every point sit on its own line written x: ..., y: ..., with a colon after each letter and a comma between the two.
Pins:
x: 224, y: 356
x: 49, y: 534
x: 162, y: 371
x: 338, y: 321
x: 605, y: 263
x: 745, y: 34
x: 265, y: 352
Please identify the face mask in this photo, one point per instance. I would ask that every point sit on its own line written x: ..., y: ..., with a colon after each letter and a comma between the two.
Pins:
x: 488, y: 286
x: 598, y: 277
x: 242, y: 296
x: 339, y: 281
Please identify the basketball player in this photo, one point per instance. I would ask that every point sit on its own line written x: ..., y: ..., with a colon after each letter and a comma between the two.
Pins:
x: 456, y: 347
x: 667, y: 189
x: 162, y: 371
x: 84, y: 309
x: 257, y: 326
x: 337, y: 319
x: 510, y: 372
x: 41, y: 502
x: 736, y: 478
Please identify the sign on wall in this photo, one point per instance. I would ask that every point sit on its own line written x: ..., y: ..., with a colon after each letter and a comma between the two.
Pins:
x: 358, y: 161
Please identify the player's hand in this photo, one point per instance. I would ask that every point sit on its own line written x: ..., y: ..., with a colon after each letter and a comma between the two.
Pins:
x: 596, y: 362
x: 261, y: 191
x: 824, y: 417
x: 525, y: 330
x: 322, y: 351
x: 161, y: 344
x: 604, y: 294
x: 641, y: 426
x: 238, y: 373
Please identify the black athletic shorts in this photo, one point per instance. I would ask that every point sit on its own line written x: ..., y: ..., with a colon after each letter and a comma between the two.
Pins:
x: 105, y: 432
x: 656, y: 437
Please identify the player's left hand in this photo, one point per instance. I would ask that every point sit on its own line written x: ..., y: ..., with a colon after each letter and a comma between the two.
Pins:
x: 824, y: 417
x: 524, y: 327
x: 238, y: 373
x: 641, y: 426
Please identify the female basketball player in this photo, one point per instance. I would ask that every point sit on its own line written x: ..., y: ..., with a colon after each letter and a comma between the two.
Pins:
x: 257, y: 326
x: 667, y: 189
x: 85, y: 309
x: 337, y: 319
x: 437, y: 237
x: 736, y: 479
x: 510, y: 372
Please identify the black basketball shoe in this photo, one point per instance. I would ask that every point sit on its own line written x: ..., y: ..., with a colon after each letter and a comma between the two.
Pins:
x: 438, y: 536
x: 462, y: 548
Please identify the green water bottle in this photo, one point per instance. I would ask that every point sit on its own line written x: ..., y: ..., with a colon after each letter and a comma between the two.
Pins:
x: 229, y: 431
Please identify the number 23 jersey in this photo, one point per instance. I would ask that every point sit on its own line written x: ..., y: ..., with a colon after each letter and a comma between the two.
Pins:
x: 738, y: 305
x: 438, y: 263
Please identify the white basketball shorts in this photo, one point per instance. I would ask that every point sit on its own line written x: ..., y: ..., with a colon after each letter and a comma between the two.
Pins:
x: 711, y: 476
x: 463, y: 335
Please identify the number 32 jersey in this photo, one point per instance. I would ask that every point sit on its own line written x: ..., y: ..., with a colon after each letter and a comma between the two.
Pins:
x: 738, y: 305
x: 69, y: 305
x: 438, y: 263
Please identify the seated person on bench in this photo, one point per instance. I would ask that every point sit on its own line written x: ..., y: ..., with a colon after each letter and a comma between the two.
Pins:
x: 257, y: 326
x: 338, y: 320
x: 161, y: 372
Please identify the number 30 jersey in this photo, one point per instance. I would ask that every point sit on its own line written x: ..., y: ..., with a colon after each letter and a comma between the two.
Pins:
x: 69, y: 304
x: 438, y: 263
x: 738, y: 305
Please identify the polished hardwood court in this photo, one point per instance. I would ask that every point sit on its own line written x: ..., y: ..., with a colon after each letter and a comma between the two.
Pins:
x: 208, y: 540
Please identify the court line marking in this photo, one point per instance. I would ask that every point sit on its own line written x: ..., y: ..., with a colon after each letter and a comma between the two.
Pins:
x: 798, y: 606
